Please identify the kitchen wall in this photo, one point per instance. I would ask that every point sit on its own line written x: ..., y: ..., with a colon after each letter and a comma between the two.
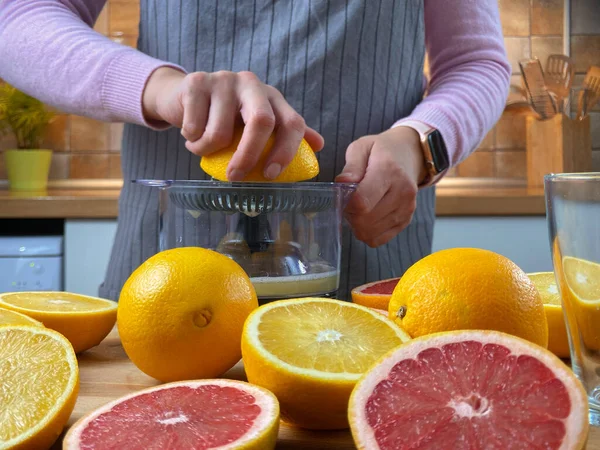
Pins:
x: 86, y: 148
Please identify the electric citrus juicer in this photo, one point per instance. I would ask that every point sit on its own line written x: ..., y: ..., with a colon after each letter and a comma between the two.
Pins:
x: 286, y: 236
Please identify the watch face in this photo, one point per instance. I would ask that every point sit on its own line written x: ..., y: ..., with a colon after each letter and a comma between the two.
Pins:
x: 439, y: 154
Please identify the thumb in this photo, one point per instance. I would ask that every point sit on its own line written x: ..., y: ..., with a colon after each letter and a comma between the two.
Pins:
x: 357, y: 158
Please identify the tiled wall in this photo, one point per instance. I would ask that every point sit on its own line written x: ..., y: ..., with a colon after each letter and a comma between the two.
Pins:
x: 534, y: 28
x: 88, y: 149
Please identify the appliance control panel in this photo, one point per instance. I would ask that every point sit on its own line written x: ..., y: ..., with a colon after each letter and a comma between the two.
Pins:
x: 30, y: 274
x: 31, y: 264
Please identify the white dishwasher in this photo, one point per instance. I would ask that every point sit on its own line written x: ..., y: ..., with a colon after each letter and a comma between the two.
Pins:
x: 31, y: 263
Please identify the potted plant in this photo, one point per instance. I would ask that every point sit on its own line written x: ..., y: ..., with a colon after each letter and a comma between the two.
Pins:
x: 27, y: 119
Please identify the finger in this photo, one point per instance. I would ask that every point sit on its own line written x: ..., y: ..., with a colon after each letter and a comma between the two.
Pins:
x: 389, y: 212
x: 395, y: 218
x: 393, y: 214
x: 314, y: 139
x: 357, y: 158
x: 290, y: 131
x: 386, y: 236
x: 260, y: 121
x: 195, y: 115
x: 371, y: 190
x: 221, y: 118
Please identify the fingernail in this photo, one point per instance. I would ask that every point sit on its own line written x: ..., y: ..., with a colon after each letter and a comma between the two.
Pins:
x: 273, y: 171
x: 236, y: 175
x: 347, y: 176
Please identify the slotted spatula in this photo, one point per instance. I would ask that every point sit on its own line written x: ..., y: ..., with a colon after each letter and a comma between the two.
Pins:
x: 591, y: 83
x: 541, y: 100
x: 558, y: 77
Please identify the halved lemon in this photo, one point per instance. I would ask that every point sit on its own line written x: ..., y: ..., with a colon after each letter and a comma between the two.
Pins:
x: 545, y: 282
x: 303, y: 166
x: 83, y: 320
x: 39, y: 382
x: 582, y: 278
x: 8, y: 317
x: 310, y: 353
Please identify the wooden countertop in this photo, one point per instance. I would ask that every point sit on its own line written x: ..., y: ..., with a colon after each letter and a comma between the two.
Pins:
x: 106, y: 373
x: 94, y: 199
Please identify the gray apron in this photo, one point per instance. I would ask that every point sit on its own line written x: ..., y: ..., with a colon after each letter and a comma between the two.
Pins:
x: 350, y: 68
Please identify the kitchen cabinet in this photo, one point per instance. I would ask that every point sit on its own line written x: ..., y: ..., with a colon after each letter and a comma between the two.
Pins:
x: 87, y: 249
x: 523, y: 239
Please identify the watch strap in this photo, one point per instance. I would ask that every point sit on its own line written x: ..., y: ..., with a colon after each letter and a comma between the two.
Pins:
x: 424, y: 130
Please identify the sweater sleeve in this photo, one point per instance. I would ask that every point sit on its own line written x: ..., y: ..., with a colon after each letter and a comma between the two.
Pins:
x: 469, y: 73
x: 49, y: 50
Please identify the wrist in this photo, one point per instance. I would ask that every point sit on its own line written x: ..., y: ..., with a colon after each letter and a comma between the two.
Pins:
x: 410, y: 143
x: 162, y: 80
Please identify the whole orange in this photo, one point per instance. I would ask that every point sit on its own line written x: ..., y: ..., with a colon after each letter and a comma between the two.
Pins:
x: 182, y: 312
x: 466, y: 289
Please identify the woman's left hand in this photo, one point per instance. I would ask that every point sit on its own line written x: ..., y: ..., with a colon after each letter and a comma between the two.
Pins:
x: 388, y: 168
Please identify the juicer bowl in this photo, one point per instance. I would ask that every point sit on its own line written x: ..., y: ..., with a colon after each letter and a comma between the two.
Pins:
x: 286, y: 236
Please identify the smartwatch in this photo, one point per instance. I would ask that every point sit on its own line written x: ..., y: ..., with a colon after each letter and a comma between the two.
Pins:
x: 434, y: 150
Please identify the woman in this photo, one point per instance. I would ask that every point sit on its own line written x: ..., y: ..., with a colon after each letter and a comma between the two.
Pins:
x: 346, y: 71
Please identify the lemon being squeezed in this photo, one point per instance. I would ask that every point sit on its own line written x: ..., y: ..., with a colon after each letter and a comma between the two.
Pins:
x: 304, y: 166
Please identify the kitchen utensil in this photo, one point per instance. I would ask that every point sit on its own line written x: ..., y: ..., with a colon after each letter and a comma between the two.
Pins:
x: 589, y: 98
x: 558, y: 78
x: 286, y: 236
x: 236, y: 197
x: 576, y: 103
x: 517, y: 102
x: 541, y: 100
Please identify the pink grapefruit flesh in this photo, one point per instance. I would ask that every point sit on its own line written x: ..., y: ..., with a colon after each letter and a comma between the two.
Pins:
x: 381, y: 287
x: 201, y: 415
x: 469, y: 390
x: 376, y: 294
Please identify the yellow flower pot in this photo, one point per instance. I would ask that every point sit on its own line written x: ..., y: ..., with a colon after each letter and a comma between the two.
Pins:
x: 27, y: 170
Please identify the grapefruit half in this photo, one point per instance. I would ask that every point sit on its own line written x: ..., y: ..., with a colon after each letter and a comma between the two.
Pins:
x: 469, y: 389
x: 191, y: 415
x: 376, y: 294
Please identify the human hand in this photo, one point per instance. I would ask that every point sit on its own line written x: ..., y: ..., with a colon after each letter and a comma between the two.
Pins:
x: 206, y: 106
x: 388, y: 168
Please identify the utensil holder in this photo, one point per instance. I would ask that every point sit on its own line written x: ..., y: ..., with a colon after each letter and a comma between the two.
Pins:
x: 557, y: 145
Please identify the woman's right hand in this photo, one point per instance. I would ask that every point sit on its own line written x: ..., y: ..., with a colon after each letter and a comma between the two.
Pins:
x: 206, y: 107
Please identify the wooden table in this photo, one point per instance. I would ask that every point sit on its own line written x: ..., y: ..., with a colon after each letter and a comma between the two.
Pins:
x: 107, y: 373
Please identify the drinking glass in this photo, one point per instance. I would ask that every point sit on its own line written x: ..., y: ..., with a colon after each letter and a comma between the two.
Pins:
x: 573, y: 214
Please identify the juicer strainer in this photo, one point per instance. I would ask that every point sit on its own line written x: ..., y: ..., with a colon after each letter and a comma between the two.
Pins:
x: 251, y: 198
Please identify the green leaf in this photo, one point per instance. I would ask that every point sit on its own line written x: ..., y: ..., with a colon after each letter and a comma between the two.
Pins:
x: 26, y: 117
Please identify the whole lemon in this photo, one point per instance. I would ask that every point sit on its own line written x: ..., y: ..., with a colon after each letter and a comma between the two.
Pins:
x: 181, y: 314
x: 467, y: 289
